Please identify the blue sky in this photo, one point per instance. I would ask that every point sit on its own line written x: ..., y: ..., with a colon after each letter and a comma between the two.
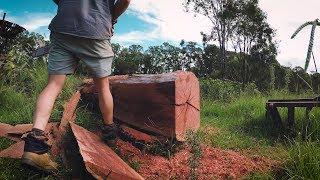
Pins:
x: 152, y: 22
x: 35, y: 15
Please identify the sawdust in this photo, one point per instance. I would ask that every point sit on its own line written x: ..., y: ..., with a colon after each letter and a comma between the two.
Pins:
x: 214, y: 163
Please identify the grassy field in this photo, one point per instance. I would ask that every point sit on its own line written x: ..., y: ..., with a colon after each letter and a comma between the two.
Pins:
x: 228, y: 121
x: 241, y: 125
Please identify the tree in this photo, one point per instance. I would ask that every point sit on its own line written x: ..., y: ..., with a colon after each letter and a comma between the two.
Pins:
x: 164, y: 58
x: 153, y: 62
x: 172, y: 57
x: 300, y: 80
x: 191, y: 54
x: 19, y: 65
x: 220, y: 13
x: 208, y: 65
x: 128, y: 60
x: 252, y: 37
x: 314, y: 24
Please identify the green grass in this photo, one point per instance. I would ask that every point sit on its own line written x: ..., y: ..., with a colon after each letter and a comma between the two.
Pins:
x: 241, y: 125
x: 238, y: 124
x: 88, y: 119
x: 17, y: 106
x: 135, y: 165
x: 194, y: 143
x: 303, y: 161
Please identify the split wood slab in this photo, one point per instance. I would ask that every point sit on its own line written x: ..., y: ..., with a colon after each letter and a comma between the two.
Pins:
x: 99, y: 159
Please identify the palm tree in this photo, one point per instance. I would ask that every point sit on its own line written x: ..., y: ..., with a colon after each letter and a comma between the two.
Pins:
x: 314, y: 24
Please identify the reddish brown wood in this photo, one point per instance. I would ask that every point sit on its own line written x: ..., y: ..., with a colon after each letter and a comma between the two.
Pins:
x: 4, y: 128
x: 99, y: 159
x: 15, y: 151
x: 69, y: 115
x: 15, y: 132
x: 166, y: 104
x: 69, y: 111
x: 138, y: 135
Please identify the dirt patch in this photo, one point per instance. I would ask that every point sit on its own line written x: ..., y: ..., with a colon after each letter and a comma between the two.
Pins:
x: 210, y: 130
x: 214, y: 163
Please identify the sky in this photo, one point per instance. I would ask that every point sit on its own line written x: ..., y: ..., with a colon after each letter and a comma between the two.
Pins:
x: 152, y: 22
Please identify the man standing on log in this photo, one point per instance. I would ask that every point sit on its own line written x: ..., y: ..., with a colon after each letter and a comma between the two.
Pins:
x: 81, y: 30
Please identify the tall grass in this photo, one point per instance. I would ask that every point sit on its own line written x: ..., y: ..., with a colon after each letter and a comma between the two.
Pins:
x: 303, y: 161
x: 240, y: 123
x: 17, y: 101
x: 224, y: 90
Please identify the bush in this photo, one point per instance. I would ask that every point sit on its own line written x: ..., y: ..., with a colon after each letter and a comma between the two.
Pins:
x: 224, y: 90
x: 19, y: 65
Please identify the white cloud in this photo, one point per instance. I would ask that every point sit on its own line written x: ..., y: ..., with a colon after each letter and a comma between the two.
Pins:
x: 171, y: 22
x: 136, y: 37
x: 34, y: 22
x: 286, y: 16
x: 31, y: 21
x: 37, y: 22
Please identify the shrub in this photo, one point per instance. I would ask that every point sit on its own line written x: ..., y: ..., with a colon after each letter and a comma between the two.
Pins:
x: 19, y: 65
x: 224, y: 90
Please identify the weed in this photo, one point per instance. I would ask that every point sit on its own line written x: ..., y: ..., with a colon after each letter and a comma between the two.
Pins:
x: 303, y: 160
x: 5, y: 143
x: 165, y: 148
x: 225, y: 91
x: 194, y: 143
x: 135, y: 165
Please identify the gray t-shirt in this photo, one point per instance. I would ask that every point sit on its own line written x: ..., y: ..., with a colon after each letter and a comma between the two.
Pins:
x: 84, y: 18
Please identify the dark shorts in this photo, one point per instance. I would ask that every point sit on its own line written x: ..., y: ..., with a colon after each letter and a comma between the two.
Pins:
x: 67, y: 50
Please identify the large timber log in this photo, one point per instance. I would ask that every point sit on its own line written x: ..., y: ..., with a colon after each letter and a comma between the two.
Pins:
x: 165, y: 104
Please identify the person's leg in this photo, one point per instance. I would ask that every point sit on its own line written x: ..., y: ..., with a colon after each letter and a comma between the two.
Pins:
x: 46, y: 101
x: 36, y: 146
x: 98, y: 58
x: 105, y: 99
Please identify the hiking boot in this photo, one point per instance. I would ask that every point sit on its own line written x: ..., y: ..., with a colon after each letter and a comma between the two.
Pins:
x: 110, y: 134
x: 36, y: 152
x: 40, y: 162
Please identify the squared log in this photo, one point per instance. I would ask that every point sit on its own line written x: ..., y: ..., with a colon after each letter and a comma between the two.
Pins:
x: 165, y: 104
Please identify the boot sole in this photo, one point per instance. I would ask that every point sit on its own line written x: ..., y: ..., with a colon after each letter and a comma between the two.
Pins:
x: 33, y: 166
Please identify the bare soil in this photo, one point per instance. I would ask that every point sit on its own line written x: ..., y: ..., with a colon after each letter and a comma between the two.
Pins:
x: 214, y: 163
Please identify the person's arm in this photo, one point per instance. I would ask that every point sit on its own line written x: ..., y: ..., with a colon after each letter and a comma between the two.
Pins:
x: 120, y: 7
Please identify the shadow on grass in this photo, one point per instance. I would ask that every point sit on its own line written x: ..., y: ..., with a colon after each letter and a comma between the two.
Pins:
x: 262, y: 128
x: 88, y: 114
x: 265, y: 128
